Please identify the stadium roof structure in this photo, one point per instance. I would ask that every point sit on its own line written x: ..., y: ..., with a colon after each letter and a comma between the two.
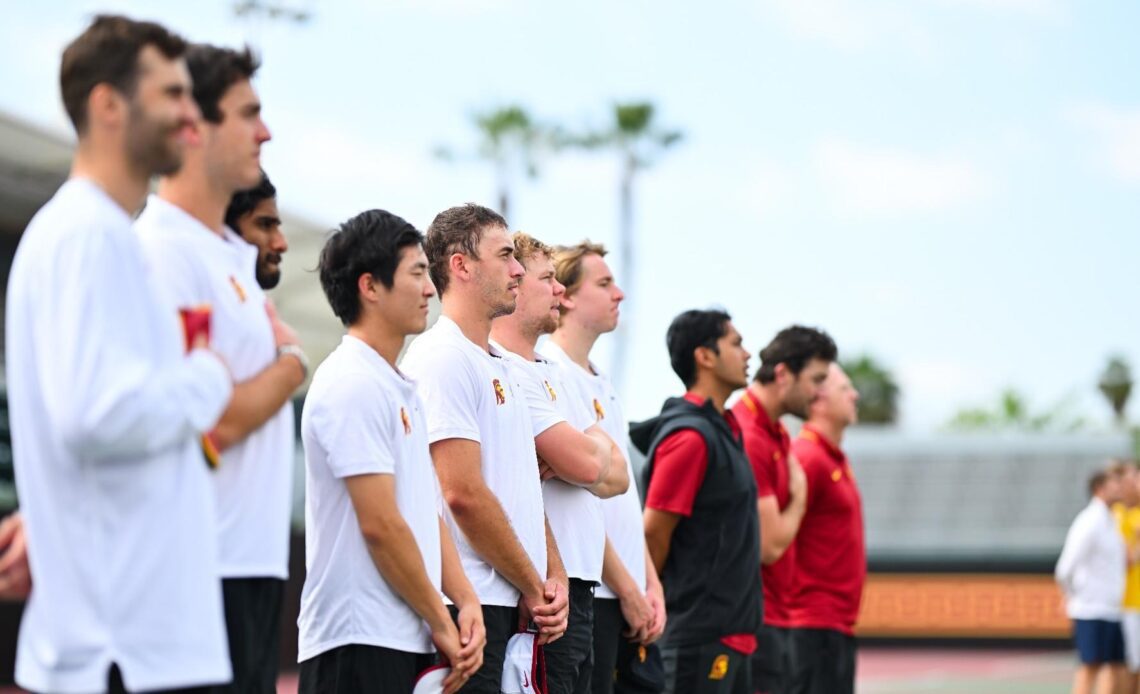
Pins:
x: 34, y: 162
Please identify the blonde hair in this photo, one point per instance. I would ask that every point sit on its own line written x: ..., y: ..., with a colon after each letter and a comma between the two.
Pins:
x: 568, y: 263
x: 527, y: 247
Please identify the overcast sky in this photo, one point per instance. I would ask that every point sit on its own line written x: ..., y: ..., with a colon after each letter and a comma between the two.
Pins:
x: 950, y: 185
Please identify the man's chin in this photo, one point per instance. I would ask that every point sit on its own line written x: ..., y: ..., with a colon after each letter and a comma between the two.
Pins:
x: 268, y: 279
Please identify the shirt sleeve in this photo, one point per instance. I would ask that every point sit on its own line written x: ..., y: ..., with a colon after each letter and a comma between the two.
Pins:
x: 679, y: 465
x: 447, y: 385
x: 761, y: 458
x: 815, y: 470
x: 1076, y: 543
x: 113, y: 400
x: 537, y: 393
x: 355, y: 428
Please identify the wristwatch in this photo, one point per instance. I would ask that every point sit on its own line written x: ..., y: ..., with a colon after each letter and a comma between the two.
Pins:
x: 296, y: 351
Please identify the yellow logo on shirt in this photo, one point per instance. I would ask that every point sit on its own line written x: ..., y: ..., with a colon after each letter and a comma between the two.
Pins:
x: 836, y: 475
x: 500, y: 394
x: 406, y: 420
x: 599, y: 412
x: 238, y: 288
x: 719, y: 668
x: 550, y: 389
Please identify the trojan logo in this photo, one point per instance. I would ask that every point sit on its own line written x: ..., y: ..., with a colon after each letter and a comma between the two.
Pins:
x: 500, y: 394
x: 550, y: 389
x: 641, y: 654
x: 719, y: 668
x: 598, y: 411
x: 836, y: 475
x: 238, y: 288
x: 407, y: 422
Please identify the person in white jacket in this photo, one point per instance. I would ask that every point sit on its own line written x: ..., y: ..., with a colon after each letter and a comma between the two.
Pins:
x: 1091, y: 573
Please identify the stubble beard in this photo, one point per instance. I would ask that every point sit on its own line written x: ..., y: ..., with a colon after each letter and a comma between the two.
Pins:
x: 148, y: 144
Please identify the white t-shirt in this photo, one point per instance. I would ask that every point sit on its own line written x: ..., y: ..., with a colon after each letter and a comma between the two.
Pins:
x: 254, y: 481
x: 575, y: 514
x: 1093, y: 565
x: 622, y: 512
x: 106, y: 410
x: 469, y: 394
x: 362, y: 417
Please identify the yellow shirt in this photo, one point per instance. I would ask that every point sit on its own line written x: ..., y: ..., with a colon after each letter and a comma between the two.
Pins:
x: 1128, y: 520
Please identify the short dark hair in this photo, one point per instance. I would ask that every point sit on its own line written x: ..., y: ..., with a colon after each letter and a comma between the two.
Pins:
x: 794, y: 347
x: 214, y: 70
x: 1097, y: 480
x: 371, y: 243
x: 243, y: 201
x: 107, y: 52
x: 457, y: 230
x: 690, y: 330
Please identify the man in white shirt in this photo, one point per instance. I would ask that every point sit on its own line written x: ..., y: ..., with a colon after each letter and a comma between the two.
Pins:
x: 377, y: 551
x: 629, y: 607
x: 106, y: 405
x: 481, y: 436
x: 581, y: 464
x: 200, y: 261
x: 1091, y: 573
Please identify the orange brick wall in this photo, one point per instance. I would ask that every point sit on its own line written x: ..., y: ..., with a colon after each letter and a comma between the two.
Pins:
x: 962, y: 606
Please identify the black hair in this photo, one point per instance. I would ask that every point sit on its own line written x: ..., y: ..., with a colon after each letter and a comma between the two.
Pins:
x: 370, y: 243
x: 214, y: 70
x: 690, y: 330
x: 794, y: 347
x: 243, y: 201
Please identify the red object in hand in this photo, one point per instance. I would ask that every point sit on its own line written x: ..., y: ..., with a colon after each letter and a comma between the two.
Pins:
x: 195, y: 324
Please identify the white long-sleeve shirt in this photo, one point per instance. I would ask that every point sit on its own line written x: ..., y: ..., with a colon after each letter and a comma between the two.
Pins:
x: 105, y: 414
x: 1092, y: 566
x: 254, y: 483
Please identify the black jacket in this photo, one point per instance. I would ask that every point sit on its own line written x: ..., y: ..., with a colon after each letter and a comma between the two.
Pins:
x: 712, y: 575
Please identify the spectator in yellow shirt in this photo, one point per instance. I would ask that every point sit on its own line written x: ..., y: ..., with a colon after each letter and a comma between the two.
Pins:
x: 1127, y: 513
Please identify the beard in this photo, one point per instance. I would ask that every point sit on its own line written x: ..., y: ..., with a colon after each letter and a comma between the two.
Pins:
x: 267, y: 275
x: 149, y: 143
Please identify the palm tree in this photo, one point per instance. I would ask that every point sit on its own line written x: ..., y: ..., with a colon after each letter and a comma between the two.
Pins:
x: 878, y: 390
x: 511, y: 140
x: 1116, y: 385
x: 638, y: 141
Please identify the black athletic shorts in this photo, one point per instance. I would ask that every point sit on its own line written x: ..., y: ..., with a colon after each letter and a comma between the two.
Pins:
x: 253, y: 628
x: 609, y: 626
x: 712, y: 668
x: 570, y: 659
x: 501, y: 623
x: 355, y: 668
x: 115, y: 685
x: 823, y: 662
x: 772, y: 661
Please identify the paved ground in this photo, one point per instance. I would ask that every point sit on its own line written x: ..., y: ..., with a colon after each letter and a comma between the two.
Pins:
x: 915, y: 671
x: 926, y: 671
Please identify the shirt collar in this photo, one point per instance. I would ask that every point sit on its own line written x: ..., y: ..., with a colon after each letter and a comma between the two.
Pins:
x: 810, y: 433
x: 378, y: 363
x: 753, y: 404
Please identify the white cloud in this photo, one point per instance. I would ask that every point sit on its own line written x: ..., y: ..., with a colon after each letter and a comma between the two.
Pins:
x: 874, y: 180
x: 1118, y: 130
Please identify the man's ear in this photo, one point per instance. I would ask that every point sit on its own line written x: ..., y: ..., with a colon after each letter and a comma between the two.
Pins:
x: 704, y: 357
x: 106, y: 106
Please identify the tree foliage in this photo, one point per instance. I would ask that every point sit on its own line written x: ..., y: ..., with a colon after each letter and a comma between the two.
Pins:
x: 878, y: 390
